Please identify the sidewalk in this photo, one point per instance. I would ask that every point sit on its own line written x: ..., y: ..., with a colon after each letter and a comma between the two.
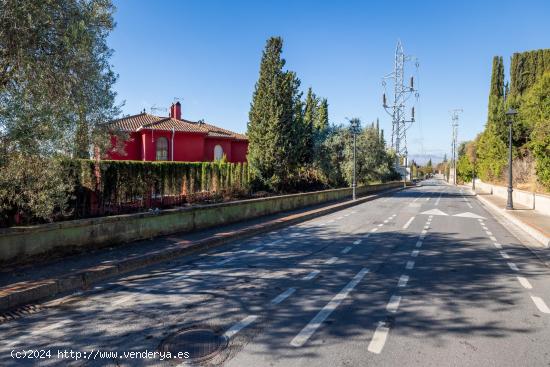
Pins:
x: 534, y: 223
x: 21, y: 285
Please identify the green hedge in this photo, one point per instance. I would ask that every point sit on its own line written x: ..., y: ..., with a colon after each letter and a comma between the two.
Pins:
x: 121, y: 181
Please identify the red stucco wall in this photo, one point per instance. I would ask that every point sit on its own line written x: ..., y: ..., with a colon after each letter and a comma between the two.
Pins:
x: 132, y: 147
x: 239, y: 150
x: 188, y: 147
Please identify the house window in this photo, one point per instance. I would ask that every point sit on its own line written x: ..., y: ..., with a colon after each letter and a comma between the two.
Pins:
x: 218, y: 152
x: 162, y: 149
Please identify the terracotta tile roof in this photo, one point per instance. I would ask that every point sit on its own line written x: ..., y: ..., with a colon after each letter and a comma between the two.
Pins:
x: 134, y: 122
x: 147, y: 121
x: 177, y: 125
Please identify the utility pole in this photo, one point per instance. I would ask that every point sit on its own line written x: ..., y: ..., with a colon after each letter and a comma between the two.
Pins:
x: 401, y: 94
x: 354, y: 126
x: 454, y: 124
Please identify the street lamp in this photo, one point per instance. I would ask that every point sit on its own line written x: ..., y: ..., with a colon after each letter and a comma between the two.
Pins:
x: 510, y: 119
x: 354, y: 124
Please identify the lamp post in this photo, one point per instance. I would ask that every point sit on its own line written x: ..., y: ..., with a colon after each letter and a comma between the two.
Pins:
x: 510, y: 119
x: 354, y: 128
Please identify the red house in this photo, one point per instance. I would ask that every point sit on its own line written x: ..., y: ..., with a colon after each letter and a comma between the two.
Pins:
x: 153, y: 138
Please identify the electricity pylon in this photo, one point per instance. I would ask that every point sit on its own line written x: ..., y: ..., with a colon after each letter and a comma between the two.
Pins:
x: 401, y: 94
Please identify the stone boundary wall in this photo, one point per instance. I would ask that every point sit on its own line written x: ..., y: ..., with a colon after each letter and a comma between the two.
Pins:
x: 539, y: 202
x: 34, y: 240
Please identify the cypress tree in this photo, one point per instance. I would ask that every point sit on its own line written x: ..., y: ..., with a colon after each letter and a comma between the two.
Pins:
x: 310, y: 112
x: 271, y: 126
x: 321, y: 117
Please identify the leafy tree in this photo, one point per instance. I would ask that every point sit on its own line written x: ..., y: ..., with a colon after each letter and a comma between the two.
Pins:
x: 535, y: 110
x: 55, y: 93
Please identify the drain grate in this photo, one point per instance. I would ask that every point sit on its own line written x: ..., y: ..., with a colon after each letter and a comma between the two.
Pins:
x: 199, y: 343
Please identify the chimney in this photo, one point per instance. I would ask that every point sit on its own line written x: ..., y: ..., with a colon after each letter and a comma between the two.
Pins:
x: 175, y: 111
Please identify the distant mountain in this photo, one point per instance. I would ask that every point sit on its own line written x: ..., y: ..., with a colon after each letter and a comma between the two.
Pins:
x: 422, y: 159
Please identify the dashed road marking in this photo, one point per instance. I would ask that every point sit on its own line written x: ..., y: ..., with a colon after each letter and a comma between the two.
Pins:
x: 311, y: 275
x: 524, y: 282
x: 497, y: 245
x: 409, y: 265
x: 513, y: 266
x: 408, y: 223
x: 374, y: 229
x: 379, y: 338
x: 281, y: 297
x: 225, y: 261
x: 403, y: 279
x: 332, y: 260
x: 393, y: 304
x: 356, y: 242
x: 489, y: 233
x: 418, y: 243
x: 541, y: 305
x: 504, y: 254
x: 325, y: 312
x: 493, y: 238
x: 346, y: 250
x: 415, y: 253
x: 233, y: 330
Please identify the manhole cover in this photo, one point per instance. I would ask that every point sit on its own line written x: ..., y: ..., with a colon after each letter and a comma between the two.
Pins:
x: 199, y: 344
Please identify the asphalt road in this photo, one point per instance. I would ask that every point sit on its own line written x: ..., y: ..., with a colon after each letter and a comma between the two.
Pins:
x: 421, y: 277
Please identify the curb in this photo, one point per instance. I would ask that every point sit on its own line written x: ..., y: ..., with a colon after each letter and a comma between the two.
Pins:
x: 532, y: 231
x: 23, y: 293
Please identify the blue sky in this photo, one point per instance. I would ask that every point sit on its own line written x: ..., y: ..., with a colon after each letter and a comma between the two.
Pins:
x: 207, y: 53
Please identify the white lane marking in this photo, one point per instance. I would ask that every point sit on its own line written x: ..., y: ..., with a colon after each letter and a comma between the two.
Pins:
x: 426, y: 226
x: 493, y: 238
x: 408, y: 222
x: 347, y: 215
x: 513, y: 266
x: 357, y: 242
x: 424, y: 231
x: 379, y: 338
x: 386, y: 221
x: 489, y: 233
x: 224, y: 261
x: 281, y: 297
x: 381, y: 224
x: 51, y: 327
x: 346, y: 250
x: 418, y: 243
x: 339, y: 218
x: 393, y: 304
x: 403, y: 279
x: 314, y: 324
x: 541, y: 305
x: 239, y: 326
x: 427, y: 199
x: 485, y: 228
x: 410, y: 265
x: 311, y: 275
x: 438, y: 199
x: 504, y: 254
x: 415, y: 253
x: 122, y: 300
x: 497, y: 245
x: 480, y: 220
x: 524, y: 283
x: 374, y: 229
x: 330, y: 221
x: 332, y: 260
x: 259, y: 248
x: 422, y: 236
x: 393, y: 216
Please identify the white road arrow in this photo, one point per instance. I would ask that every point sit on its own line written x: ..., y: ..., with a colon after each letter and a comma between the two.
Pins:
x: 434, y: 212
x: 468, y: 215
